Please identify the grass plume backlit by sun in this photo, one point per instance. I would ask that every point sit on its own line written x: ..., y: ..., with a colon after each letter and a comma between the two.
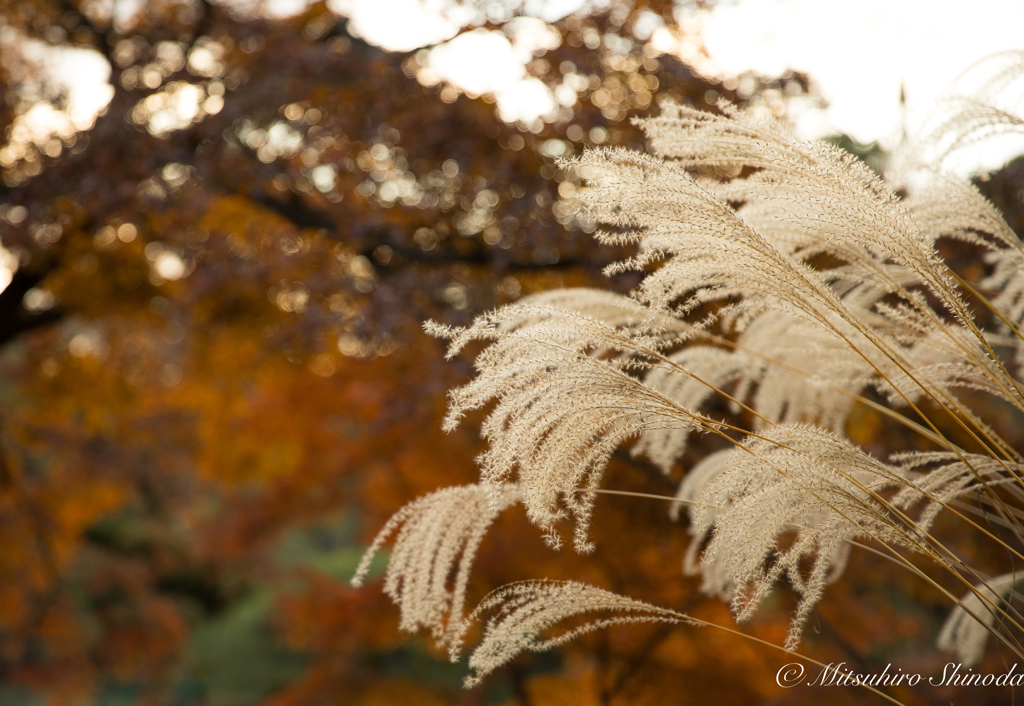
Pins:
x: 788, y: 278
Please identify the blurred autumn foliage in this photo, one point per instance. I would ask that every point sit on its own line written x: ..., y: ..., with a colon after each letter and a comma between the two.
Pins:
x: 216, y: 387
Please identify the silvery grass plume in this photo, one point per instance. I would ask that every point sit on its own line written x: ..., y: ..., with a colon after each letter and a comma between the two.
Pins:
x: 525, y: 610
x: 451, y: 523
x: 828, y: 294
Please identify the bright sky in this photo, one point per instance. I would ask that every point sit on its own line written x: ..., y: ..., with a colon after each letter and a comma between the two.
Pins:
x: 858, y: 54
x: 397, y: 25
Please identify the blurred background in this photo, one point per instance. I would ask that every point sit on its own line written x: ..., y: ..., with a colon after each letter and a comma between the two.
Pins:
x: 223, y: 225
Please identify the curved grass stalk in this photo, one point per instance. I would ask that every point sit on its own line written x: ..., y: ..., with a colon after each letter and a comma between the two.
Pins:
x: 717, y: 426
x: 899, y: 560
x: 528, y: 620
x: 988, y: 305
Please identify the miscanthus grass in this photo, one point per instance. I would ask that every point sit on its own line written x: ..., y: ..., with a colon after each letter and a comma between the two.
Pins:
x: 828, y: 293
